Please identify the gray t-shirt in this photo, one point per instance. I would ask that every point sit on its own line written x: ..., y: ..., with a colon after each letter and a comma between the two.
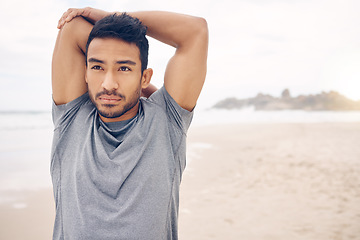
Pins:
x: 118, y: 180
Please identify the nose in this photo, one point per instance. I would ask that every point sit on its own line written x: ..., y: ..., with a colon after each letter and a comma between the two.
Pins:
x: 109, y: 82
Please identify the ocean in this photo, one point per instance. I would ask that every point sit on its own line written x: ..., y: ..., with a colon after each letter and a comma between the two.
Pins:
x: 25, y: 145
x: 25, y: 140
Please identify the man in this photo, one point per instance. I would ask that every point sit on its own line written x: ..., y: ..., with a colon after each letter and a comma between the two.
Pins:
x: 117, y: 159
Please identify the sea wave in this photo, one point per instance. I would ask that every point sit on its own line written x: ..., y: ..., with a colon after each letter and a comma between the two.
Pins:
x: 13, y: 121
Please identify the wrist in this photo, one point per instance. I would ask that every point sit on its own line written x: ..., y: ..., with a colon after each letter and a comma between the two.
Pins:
x: 95, y: 14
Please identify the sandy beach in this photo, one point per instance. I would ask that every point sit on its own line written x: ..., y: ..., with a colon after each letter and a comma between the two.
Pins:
x: 273, y: 181
x: 245, y: 181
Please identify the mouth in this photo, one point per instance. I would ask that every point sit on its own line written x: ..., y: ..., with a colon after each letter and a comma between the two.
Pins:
x: 109, y: 99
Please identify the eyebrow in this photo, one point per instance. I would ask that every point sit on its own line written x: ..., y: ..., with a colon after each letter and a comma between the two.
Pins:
x: 118, y: 62
x: 126, y: 62
x: 95, y: 60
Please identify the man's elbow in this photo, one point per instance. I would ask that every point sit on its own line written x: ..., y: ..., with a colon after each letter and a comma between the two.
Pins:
x: 198, y: 33
x: 202, y: 27
x: 76, y: 32
x: 71, y: 26
x: 201, y: 36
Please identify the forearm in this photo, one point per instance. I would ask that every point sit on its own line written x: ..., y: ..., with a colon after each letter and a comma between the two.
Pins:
x: 90, y: 14
x: 173, y: 29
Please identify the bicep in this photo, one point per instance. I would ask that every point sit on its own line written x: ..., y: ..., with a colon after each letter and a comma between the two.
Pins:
x: 68, y: 62
x: 186, y: 71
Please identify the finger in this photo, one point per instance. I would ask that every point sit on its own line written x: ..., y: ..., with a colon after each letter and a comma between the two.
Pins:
x: 65, y: 14
x: 70, y: 14
x: 61, y: 23
x: 63, y: 17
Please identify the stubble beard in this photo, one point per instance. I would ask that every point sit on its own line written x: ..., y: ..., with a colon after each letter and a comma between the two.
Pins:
x: 106, y: 110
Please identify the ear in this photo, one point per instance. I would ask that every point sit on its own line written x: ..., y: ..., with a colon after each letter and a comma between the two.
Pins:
x: 146, y: 78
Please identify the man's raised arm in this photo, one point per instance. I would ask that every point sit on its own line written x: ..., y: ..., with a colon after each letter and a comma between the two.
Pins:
x: 186, y: 70
x: 68, y: 62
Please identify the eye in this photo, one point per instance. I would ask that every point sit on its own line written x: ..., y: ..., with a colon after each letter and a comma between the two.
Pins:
x: 96, y: 67
x: 124, y: 69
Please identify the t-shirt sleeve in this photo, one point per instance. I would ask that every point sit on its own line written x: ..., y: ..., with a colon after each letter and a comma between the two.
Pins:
x: 63, y: 114
x: 176, y: 114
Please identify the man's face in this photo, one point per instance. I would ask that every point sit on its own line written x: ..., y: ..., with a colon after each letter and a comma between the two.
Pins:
x: 114, y: 78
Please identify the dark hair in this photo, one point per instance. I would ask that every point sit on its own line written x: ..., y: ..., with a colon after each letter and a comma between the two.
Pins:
x: 126, y: 28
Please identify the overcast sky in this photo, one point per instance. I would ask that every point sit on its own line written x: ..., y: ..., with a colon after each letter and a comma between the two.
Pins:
x: 264, y: 46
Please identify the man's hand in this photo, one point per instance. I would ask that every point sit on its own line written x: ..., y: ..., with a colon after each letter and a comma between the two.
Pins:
x: 91, y: 14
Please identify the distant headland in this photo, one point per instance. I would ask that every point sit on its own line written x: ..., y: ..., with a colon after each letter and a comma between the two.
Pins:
x: 325, y: 101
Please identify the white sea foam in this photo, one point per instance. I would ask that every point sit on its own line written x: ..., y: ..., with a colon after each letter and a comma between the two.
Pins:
x: 19, y: 205
x: 194, y: 150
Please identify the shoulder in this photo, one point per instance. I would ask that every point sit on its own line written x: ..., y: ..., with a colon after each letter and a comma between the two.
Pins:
x: 162, y: 104
x: 80, y: 107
